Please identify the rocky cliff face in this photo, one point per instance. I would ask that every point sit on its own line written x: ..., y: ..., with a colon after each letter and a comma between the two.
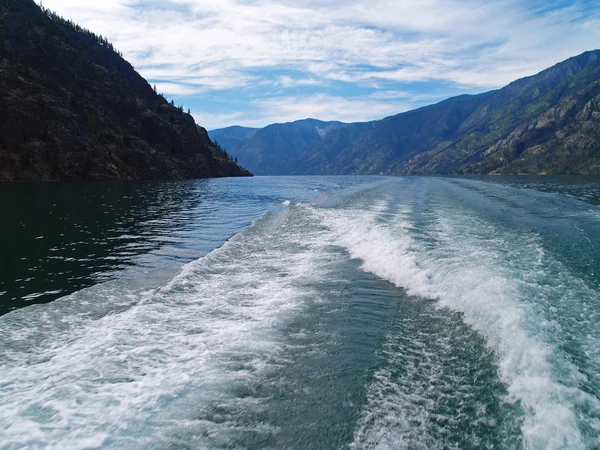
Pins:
x: 563, y: 140
x: 538, y: 125
x: 72, y: 109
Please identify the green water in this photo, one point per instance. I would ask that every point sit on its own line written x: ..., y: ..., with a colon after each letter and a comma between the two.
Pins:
x: 302, y: 312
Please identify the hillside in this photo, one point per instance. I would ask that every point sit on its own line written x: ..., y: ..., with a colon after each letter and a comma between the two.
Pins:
x: 232, y: 138
x: 546, y: 123
x: 73, y: 109
x: 277, y: 149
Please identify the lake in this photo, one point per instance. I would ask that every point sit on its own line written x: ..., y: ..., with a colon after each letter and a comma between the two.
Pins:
x: 301, y: 312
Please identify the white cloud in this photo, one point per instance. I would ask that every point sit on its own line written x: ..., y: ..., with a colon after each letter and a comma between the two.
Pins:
x: 204, y: 46
x: 325, y: 107
x: 289, y: 82
x: 213, y: 121
x: 176, y: 89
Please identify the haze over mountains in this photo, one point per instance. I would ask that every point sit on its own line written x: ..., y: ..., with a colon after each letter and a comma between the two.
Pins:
x: 73, y: 109
x: 546, y: 123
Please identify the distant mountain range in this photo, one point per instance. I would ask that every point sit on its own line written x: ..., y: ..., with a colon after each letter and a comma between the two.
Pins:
x: 277, y: 149
x: 546, y: 123
x: 73, y: 109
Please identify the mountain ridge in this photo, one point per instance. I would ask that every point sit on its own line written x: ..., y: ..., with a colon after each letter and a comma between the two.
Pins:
x: 262, y: 151
x: 532, y: 125
x: 74, y: 109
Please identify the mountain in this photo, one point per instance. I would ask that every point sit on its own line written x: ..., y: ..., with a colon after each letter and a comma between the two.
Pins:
x: 71, y: 108
x: 546, y: 123
x: 277, y: 149
x: 232, y: 137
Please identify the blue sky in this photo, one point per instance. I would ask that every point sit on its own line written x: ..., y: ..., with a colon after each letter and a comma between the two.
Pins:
x: 255, y: 62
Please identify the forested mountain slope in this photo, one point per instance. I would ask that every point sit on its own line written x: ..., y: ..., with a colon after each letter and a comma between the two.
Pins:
x: 71, y: 108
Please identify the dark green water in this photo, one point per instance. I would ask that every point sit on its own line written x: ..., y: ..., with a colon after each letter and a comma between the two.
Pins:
x: 315, y: 312
x: 58, y: 238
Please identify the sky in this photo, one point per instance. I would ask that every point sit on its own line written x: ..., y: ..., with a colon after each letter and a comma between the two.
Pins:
x: 256, y: 62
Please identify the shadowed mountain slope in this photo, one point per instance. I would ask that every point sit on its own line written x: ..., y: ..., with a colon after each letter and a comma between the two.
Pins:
x: 232, y: 138
x: 72, y: 109
x: 276, y: 149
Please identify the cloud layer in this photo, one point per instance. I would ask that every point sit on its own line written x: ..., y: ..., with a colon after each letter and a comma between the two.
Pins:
x: 253, y: 62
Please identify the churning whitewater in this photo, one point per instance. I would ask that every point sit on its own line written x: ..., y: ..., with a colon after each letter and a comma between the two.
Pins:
x: 374, y: 313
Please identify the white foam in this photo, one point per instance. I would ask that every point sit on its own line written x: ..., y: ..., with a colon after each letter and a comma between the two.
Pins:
x: 467, y: 271
x: 77, y: 374
x: 133, y: 377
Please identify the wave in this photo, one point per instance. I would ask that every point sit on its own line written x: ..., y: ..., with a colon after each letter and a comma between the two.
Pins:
x: 150, y: 366
x: 494, y: 345
x: 470, y: 265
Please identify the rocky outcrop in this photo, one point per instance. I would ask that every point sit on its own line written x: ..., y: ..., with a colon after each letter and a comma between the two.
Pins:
x: 565, y: 140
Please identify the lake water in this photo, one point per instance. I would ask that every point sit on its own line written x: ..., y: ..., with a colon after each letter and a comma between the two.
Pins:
x: 301, y: 312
